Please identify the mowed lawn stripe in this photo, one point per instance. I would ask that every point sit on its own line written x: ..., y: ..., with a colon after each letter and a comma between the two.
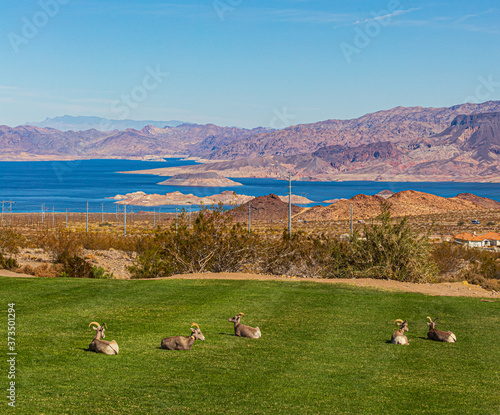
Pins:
x: 324, y: 349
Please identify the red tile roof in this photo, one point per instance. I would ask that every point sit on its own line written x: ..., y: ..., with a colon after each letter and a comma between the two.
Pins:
x: 477, y: 238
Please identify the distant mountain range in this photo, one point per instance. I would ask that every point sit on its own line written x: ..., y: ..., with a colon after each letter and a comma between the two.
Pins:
x: 82, y: 123
x: 403, y: 144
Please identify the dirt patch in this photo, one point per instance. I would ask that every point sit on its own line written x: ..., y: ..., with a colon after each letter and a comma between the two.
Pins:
x: 112, y: 260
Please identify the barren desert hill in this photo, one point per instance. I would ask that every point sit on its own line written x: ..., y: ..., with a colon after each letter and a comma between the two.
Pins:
x: 405, y: 203
x: 365, y: 206
x: 481, y: 201
x: 264, y: 208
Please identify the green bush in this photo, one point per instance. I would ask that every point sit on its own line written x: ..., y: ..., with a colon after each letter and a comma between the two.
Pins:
x: 74, y: 266
x: 391, y: 250
x: 100, y: 273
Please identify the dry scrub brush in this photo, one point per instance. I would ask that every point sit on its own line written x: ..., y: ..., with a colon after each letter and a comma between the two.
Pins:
x: 392, y: 250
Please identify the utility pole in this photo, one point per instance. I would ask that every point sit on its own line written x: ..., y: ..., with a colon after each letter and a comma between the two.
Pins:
x: 87, y: 216
x: 9, y: 210
x: 154, y: 218
x: 190, y: 216
x: 176, y: 221
x: 290, y: 204
x: 124, y: 220
x: 53, y: 218
x: 43, y: 211
x: 249, y: 218
x: 352, y: 220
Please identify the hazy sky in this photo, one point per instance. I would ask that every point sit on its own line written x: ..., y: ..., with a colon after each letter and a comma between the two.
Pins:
x: 246, y: 63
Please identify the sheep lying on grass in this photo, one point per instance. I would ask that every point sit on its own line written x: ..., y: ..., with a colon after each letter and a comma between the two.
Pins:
x: 102, y: 346
x: 244, y: 331
x: 439, y: 335
x: 181, y: 342
x: 398, y: 337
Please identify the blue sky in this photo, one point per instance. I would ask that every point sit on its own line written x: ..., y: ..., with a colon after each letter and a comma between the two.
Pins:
x: 245, y: 63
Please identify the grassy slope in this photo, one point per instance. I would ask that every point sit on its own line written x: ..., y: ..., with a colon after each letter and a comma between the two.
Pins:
x: 324, y: 349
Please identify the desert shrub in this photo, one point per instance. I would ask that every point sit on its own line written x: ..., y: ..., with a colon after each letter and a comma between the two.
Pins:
x: 213, y: 244
x: 391, y: 250
x: 454, y: 258
x: 74, y: 266
x: 460, y: 223
x: 10, y: 241
x: 26, y: 269
x: 106, y: 241
x: 9, y: 263
x: 490, y: 224
x: 450, y: 257
x: 100, y: 273
x: 149, y: 264
x: 59, y: 241
x: 298, y: 255
x: 47, y: 270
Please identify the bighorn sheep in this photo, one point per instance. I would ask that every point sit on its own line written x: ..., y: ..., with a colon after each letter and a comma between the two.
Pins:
x: 102, y: 346
x: 181, y: 342
x: 244, y: 331
x: 398, y: 337
x: 439, y: 335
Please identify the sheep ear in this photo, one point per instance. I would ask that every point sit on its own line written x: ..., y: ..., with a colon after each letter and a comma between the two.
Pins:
x: 192, y: 330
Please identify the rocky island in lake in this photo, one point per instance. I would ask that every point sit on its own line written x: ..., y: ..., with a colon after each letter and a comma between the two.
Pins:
x: 206, y: 179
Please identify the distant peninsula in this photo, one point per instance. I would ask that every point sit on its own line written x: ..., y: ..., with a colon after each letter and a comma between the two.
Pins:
x: 208, y: 179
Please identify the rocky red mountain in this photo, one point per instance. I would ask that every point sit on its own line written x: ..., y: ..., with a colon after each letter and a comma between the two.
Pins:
x: 28, y: 142
x: 403, y: 144
x: 469, y: 150
x: 396, y: 125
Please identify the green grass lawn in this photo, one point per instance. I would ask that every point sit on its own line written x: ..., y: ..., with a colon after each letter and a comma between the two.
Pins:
x: 324, y: 349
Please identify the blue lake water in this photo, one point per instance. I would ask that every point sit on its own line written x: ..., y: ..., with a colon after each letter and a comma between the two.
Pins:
x: 69, y: 185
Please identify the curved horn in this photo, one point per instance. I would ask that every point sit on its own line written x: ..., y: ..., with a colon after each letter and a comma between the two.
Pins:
x: 104, y: 325
x: 196, y: 325
x: 395, y: 321
x: 429, y: 318
x: 240, y: 314
x: 94, y: 322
